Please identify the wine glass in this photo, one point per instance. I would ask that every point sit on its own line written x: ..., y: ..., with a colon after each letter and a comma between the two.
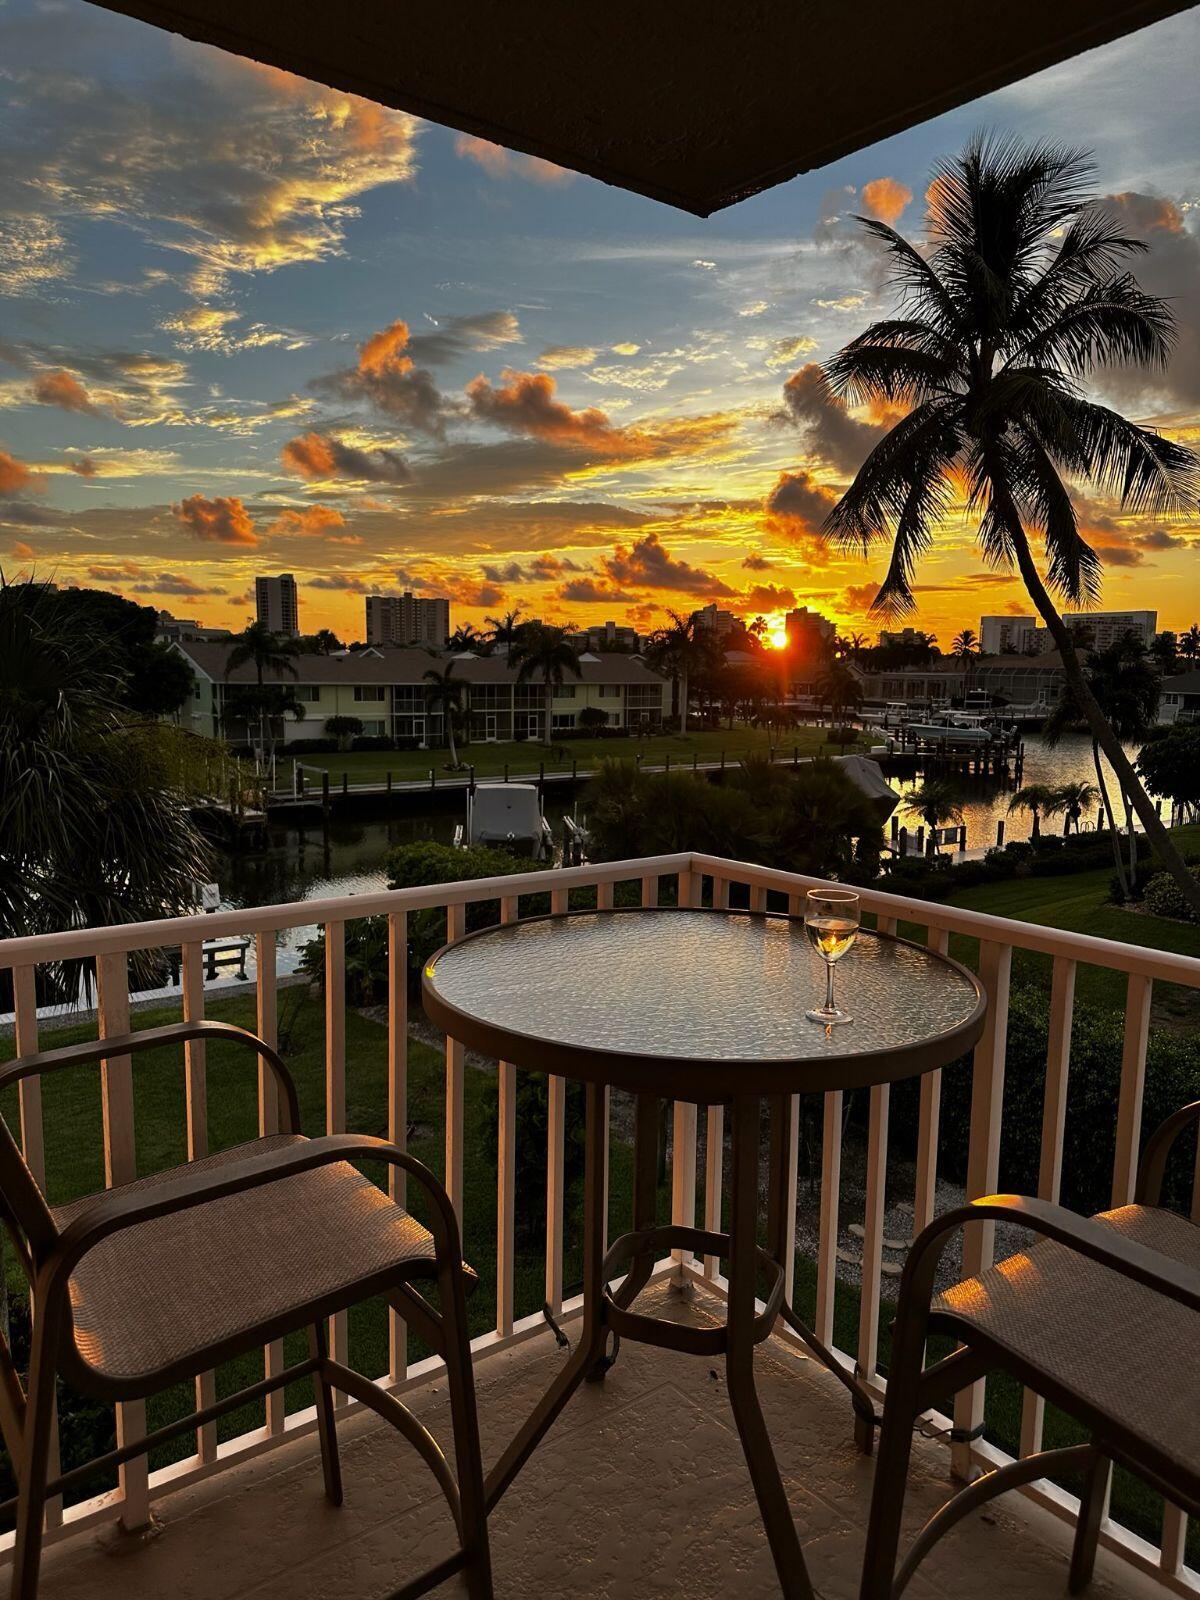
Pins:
x: 831, y: 918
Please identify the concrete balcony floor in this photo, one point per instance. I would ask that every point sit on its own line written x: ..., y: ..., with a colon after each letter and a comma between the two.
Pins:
x: 640, y: 1490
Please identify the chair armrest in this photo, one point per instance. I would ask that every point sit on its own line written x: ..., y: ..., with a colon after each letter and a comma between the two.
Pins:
x: 129, y: 1044
x: 115, y: 1210
x: 1153, y: 1165
x: 1150, y: 1268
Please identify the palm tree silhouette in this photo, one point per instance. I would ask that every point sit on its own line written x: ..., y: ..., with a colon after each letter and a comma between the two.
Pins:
x: 935, y: 801
x: 1022, y: 292
x: 1073, y: 799
x: 1039, y: 799
x: 505, y: 629
x: 677, y: 650
x: 543, y: 652
x: 444, y: 692
x: 269, y: 653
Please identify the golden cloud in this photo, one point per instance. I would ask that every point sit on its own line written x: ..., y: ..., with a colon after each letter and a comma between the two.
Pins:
x: 318, y: 456
x: 886, y: 199
x: 59, y: 388
x: 308, y: 520
x: 498, y: 162
x: 16, y: 477
x: 223, y: 520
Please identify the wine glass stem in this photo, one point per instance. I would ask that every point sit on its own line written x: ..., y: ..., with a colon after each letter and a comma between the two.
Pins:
x: 829, y: 986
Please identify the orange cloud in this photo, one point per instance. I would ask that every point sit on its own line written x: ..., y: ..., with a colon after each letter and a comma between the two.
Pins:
x: 648, y: 564
x: 59, y: 388
x: 15, y: 476
x: 886, y: 199
x: 768, y: 597
x: 798, y: 505
x: 320, y: 456
x: 22, y: 552
x: 498, y: 162
x: 308, y: 520
x: 525, y: 403
x: 858, y: 598
x: 224, y: 520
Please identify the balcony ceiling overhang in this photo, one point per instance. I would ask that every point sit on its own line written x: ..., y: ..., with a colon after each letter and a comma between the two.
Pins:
x: 697, y: 103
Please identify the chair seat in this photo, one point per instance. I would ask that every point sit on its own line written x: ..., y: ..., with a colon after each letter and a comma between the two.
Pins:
x: 155, y: 1295
x: 1122, y: 1350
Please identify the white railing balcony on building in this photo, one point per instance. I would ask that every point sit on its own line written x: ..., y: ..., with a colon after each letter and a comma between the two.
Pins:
x: 689, y: 879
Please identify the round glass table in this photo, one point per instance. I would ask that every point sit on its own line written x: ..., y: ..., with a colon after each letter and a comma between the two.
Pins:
x: 705, y: 1006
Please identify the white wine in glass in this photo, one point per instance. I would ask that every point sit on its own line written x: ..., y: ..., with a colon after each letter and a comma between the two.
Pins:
x: 831, y: 918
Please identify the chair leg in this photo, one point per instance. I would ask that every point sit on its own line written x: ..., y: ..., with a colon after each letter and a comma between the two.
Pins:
x: 331, y: 1465
x: 1091, y: 1514
x: 33, y: 1466
x: 891, y: 1470
x: 468, y: 1453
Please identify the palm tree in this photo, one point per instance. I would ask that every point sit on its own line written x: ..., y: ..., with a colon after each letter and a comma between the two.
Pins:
x: 838, y: 688
x: 267, y: 703
x: 1189, y: 642
x: 465, y: 639
x: 268, y: 652
x: 1021, y: 292
x: 543, y: 652
x: 677, y: 650
x: 1073, y: 799
x: 1039, y: 799
x: 965, y: 645
x: 505, y: 629
x: 444, y: 692
x: 1125, y: 684
x: 936, y: 801
x: 95, y: 825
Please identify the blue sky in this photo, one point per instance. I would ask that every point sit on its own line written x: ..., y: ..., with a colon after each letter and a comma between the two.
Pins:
x: 203, y: 265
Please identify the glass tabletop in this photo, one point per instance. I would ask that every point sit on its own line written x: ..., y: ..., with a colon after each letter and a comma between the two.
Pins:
x: 700, y: 986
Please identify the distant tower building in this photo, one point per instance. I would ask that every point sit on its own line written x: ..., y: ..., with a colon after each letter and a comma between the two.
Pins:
x: 712, y: 622
x: 403, y: 619
x: 278, y: 604
x: 807, y: 628
x: 1006, y: 636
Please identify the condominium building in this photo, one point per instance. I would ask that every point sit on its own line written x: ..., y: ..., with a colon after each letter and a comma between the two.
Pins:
x: 714, y: 623
x: 1001, y: 636
x: 604, y: 636
x: 1098, y: 629
x: 277, y: 604
x: 384, y: 688
x: 807, y: 628
x: 405, y: 619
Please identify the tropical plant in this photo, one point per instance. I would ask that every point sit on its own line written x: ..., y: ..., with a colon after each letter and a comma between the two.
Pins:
x: 678, y: 650
x: 93, y: 828
x: 838, y: 688
x: 543, y: 652
x: 1022, y: 291
x: 148, y: 675
x: 343, y: 729
x: 1123, y: 682
x: 466, y: 639
x: 264, y: 704
x: 444, y: 692
x: 506, y: 629
x: 1072, y: 800
x: 322, y: 643
x: 592, y: 719
x: 267, y: 653
x: 1170, y: 766
x: 936, y: 801
x: 1039, y: 800
x: 1189, y: 643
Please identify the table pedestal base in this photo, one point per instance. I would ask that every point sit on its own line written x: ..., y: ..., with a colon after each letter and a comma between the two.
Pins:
x: 607, y: 1313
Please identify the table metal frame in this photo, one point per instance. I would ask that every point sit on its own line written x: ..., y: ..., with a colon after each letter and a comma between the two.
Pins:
x: 608, y: 1310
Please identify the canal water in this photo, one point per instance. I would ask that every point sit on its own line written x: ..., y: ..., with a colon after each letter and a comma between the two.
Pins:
x: 311, y: 862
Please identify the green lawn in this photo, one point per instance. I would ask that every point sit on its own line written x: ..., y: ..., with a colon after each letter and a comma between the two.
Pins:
x: 490, y: 760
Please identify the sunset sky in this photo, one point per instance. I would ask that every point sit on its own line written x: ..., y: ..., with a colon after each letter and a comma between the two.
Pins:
x: 248, y: 324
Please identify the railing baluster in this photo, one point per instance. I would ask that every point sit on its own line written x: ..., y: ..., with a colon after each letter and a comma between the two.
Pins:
x: 758, y: 898
x: 683, y: 1132
x: 1138, y: 995
x: 506, y: 1175
x: 29, y: 1103
x: 456, y: 926
x: 335, y: 1092
x: 714, y: 1171
x: 720, y: 894
x: 397, y: 1107
x: 875, y: 1211
x: 650, y: 889
x: 267, y: 986
x: 120, y: 1166
x: 556, y: 1134
x: 604, y: 896
x: 827, y: 1242
x: 196, y: 1097
x: 928, y: 1122
x: 983, y: 1164
x: 1054, y: 1114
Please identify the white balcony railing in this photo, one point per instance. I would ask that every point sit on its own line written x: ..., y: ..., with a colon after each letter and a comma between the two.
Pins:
x: 697, y: 879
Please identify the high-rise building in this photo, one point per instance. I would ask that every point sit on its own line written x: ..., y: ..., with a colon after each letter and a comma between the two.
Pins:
x: 1006, y: 636
x: 713, y: 622
x: 278, y: 604
x: 1096, y: 630
x: 604, y: 636
x: 404, y: 619
x: 805, y: 627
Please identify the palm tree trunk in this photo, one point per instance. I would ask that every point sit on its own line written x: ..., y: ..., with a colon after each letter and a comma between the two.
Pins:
x: 449, y: 715
x: 1102, y: 784
x: 548, y: 732
x: 1102, y: 733
x: 683, y: 700
x: 1132, y: 846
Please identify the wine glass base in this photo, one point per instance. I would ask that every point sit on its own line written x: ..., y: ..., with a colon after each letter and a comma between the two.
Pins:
x: 831, y: 1017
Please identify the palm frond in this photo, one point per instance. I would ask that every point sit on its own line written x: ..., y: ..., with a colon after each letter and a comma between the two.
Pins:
x: 924, y: 442
x: 912, y: 275
x: 1073, y: 567
x: 1091, y: 251
x: 1140, y: 468
x: 1110, y: 324
x: 866, y: 371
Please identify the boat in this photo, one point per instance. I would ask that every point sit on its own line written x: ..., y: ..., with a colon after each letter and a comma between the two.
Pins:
x: 506, y: 816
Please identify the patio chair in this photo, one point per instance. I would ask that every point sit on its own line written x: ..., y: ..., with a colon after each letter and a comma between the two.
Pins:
x: 156, y: 1281
x: 1101, y: 1317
